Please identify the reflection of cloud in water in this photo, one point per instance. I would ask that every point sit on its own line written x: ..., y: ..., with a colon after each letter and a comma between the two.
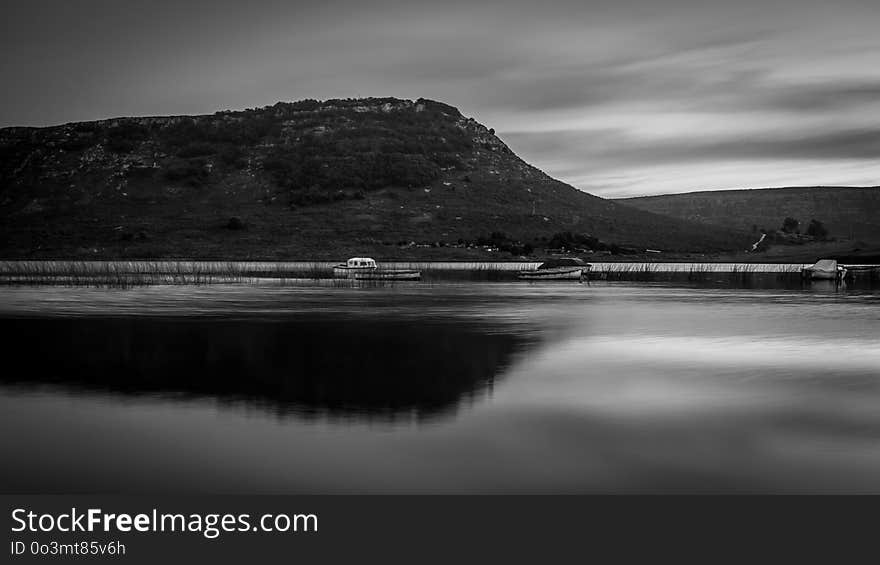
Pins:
x: 637, y: 413
x: 730, y: 353
x: 609, y: 388
x: 634, y: 374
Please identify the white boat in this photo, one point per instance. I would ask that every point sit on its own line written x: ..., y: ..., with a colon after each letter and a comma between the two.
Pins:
x: 824, y: 269
x: 389, y: 275
x: 366, y: 269
x: 562, y: 269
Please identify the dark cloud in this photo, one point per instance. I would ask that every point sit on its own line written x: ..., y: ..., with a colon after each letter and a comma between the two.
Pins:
x: 812, y: 98
x: 858, y: 144
x: 724, y: 91
x: 861, y: 144
x: 617, y: 148
x: 580, y: 86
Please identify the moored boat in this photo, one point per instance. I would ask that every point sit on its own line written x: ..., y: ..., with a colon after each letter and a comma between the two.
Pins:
x: 824, y: 269
x: 561, y: 269
x: 366, y: 269
x: 389, y: 275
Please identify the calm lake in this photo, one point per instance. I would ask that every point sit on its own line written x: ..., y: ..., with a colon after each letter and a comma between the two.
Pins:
x: 455, y: 387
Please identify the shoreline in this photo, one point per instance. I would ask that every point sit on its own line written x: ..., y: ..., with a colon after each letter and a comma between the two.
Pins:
x: 174, y: 266
x: 844, y: 251
x: 180, y: 272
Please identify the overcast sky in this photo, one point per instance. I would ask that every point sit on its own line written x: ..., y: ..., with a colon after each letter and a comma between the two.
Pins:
x: 617, y: 97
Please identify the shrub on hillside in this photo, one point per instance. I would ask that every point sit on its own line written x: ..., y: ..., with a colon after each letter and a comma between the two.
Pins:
x: 235, y: 223
x: 125, y: 136
x: 191, y: 173
x: 575, y: 241
x: 197, y: 149
x: 817, y: 229
x: 504, y: 242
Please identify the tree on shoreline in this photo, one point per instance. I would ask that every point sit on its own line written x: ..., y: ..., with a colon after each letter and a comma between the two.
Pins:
x: 817, y: 229
x: 790, y: 225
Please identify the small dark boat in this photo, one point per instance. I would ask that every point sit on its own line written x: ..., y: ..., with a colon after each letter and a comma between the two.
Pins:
x: 560, y: 269
x: 825, y: 269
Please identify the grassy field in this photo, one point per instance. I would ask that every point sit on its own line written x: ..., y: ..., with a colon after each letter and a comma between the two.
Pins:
x: 845, y: 251
x: 848, y: 213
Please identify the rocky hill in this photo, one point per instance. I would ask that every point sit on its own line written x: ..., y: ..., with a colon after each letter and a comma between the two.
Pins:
x: 846, y: 212
x: 299, y: 180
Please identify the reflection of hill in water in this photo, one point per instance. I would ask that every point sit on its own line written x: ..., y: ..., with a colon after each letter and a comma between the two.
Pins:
x: 351, y: 366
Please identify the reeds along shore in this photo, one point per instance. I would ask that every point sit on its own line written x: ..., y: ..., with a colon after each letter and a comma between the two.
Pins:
x: 650, y: 272
x: 132, y: 273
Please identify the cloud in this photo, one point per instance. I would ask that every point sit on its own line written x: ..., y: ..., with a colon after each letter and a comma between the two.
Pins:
x: 614, y: 163
x: 615, y: 148
x: 857, y: 144
x: 599, y: 93
x: 811, y: 98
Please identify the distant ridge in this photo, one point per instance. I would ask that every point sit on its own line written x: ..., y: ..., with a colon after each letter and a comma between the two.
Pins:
x: 847, y: 212
x: 297, y: 180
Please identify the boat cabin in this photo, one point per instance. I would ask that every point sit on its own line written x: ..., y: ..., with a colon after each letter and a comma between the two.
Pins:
x: 562, y: 262
x: 361, y: 263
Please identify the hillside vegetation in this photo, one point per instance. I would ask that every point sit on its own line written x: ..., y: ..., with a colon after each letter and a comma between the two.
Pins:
x: 309, y: 179
x: 846, y: 212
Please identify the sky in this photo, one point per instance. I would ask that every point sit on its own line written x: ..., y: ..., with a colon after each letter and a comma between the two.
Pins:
x: 616, y: 97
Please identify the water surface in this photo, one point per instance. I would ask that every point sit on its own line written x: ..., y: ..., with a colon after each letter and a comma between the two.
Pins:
x: 440, y: 388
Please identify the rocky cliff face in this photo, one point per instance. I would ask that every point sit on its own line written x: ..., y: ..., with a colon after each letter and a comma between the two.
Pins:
x: 303, y: 179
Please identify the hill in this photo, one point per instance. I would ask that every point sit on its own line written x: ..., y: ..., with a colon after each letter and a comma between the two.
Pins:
x: 300, y: 180
x: 846, y: 212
